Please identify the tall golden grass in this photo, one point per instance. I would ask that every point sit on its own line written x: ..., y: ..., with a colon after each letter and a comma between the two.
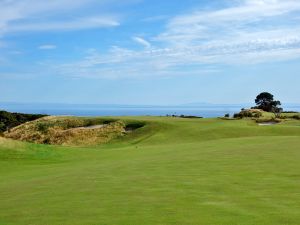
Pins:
x: 68, y: 131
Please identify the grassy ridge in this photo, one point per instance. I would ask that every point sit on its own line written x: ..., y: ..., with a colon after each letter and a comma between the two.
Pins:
x: 171, y: 171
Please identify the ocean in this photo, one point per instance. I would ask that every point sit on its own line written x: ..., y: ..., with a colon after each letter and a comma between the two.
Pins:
x: 207, y: 111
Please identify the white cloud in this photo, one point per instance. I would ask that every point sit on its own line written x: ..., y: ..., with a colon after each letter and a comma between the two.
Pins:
x: 253, y: 26
x: 254, y: 31
x: 203, y: 25
x: 142, y: 42
x: 250, y: 32
x: 36, y: 15
x: 47, y: 47
x: 77, y: 24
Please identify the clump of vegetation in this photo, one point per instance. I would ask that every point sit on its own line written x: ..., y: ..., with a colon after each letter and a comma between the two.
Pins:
x: 296, y: 117
x: 70, y: 131
x: 185, y: 116
x: 289, y: 112
x: 190, y: 117
x: 227, y: 115
x: 266, y: 110
x: 249, y: 113
x: 133, y: 125
x: 9, y: 120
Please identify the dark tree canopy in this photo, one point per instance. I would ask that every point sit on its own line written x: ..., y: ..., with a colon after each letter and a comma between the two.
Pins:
x: 266, y: 102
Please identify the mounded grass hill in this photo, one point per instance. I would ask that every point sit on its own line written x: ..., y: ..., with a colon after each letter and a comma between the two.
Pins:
x: 262, y: 116
x: 71, y: 131
x: 170, y: 171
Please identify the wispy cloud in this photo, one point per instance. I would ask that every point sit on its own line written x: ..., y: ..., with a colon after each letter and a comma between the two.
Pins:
x: 142, y: 42
x: 47, y: 47
x: 230, y: 24
x: 250, y: 32
x: 76, y: 24
x: 35, y: 15
x: 245, y: 32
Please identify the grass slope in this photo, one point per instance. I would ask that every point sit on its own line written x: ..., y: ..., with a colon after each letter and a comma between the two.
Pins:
x: 172, y: 171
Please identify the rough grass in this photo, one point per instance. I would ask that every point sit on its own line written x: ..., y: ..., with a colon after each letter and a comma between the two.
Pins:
x: 68, y: 131
x: 261, y: 116
x: 171, y: 171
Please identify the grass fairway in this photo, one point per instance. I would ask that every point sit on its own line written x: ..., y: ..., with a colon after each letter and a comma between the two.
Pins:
x: 172, y: 171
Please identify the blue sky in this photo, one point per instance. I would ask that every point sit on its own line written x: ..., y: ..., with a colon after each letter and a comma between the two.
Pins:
x: 149, y: 51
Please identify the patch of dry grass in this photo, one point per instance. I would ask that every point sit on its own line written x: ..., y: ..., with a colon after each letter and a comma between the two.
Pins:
x: 65, y: 131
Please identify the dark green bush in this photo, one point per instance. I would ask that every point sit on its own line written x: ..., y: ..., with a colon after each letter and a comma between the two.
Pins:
x: 134, y: 125
x: 247, y: 114
x: 9, y: 120
x: 42, y: 127
x: 190, y: 117
x: 237, y: 116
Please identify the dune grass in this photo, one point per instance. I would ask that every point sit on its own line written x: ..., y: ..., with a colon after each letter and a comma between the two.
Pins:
x: 69, y: 131
x: 171, y: 171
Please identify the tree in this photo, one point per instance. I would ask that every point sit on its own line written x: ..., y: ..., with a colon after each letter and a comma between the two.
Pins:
x: 266, y: 102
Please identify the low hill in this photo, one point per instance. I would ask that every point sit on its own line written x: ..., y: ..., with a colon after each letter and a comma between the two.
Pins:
x: 72, y: 131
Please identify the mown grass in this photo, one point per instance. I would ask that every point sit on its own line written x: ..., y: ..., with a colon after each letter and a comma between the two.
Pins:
x: 171, y: 171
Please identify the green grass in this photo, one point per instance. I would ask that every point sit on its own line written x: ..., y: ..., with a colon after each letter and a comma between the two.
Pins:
x: 172, y: 171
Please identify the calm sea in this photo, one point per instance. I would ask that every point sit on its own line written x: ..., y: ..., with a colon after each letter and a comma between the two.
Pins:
x: 99, y: 110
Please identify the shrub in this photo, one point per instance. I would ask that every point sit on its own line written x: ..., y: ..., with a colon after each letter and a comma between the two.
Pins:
x: 190, y: 117
x: 282, y: 117
x: 251, y: 113
x: 134, y: 125
x: 289, y: 112
x: 236, y: 116
x: 2, y: 127
x: 9, y: 120
x: 257, y: 114
x: 42, y: 127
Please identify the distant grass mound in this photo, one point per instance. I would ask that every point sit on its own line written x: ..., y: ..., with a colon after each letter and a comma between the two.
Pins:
x: 70, y: 131
x: 261, y: 116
